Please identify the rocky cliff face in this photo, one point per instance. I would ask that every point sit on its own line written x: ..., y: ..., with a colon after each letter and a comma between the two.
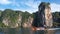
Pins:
x: 43, y: 16
x: 15, y: 19
x: 28, y: 22
x: 11, y: 18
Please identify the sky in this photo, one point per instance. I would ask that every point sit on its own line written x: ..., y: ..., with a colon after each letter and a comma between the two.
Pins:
x: 28, y: 5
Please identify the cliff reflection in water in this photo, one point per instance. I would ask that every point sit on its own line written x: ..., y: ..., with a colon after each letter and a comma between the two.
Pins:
x: 27, y: 31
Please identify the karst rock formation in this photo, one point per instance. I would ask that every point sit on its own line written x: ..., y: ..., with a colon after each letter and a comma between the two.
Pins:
x: 43, y: 16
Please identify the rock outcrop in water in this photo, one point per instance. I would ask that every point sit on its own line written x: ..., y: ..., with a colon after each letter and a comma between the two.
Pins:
x: 43, y: 16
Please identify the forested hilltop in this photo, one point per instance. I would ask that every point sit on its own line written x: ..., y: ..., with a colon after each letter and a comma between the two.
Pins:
x: 15, y: 18
x: 11, y: 18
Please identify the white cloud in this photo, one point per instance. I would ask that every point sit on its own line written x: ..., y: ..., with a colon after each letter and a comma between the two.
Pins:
x: 55, y: 7
x: 32, y: 4
x: 29, y: 10
x: 4, y: 2
x: 14, y: 3
x: 2, y: 9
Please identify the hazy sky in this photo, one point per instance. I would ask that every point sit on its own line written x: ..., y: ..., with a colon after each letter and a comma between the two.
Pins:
x: 28, y: 5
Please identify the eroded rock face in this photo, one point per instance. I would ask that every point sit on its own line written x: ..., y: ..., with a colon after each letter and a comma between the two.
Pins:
x: 11, y: 19
x: 28, y: 22
x: 43, y: 16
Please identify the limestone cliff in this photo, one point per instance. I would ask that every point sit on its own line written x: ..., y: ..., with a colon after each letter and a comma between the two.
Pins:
x: 43, y: 16
x: 13, y: 19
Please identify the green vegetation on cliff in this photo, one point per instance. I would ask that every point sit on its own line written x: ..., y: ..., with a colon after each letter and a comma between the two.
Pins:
x: 56, y: 18
x: 11, y: 17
